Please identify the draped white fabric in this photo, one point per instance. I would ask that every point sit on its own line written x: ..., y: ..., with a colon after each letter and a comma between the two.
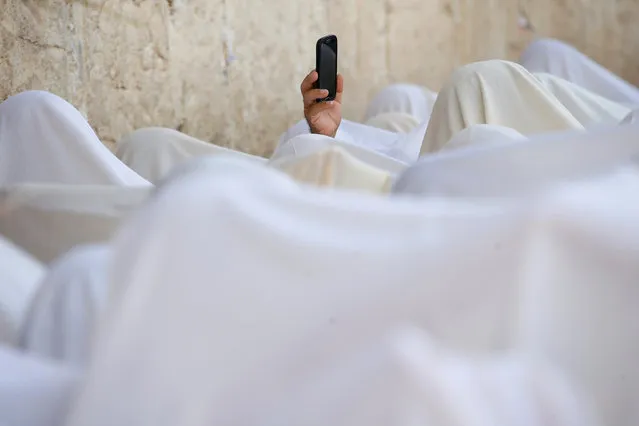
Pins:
x: 562, y: 60
x: 587, y: 107
x: 506, y: 169
x: 328, y: 162
x: 405, y: 378
x: 404, y: 98
x: 155, y: 151
x: 62, y: 318
x: 48, y: 220
x: 498, y: 93
x: 33, y: 391
x: 20, y: 275
x: 303, y: 145
x: 266, y: 268
x: 401, y: 147
x: 44, y: 139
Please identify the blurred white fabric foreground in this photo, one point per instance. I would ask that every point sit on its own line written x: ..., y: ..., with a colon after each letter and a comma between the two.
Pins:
x: 521, y: 169
x: 47, y: 220
x: 33, y: 391
x: 44, y: 139
x: 20, y: 276
x: 61, y: 321
x: 404, y: 378
x: 270, y: 280
x: 562, y: 60
x: 154, y: 151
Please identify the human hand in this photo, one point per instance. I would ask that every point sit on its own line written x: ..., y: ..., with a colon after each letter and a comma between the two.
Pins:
x: 323, y: 118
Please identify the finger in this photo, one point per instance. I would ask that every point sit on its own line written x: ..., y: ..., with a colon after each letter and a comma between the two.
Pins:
x: 314, y: 94
x: 340, y: 88
x: 309, y: 80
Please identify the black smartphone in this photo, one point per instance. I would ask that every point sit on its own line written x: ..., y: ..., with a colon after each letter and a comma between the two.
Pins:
x: 326, y: 66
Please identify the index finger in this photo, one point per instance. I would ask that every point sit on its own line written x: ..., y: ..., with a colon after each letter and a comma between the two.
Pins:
x: 309, y: 80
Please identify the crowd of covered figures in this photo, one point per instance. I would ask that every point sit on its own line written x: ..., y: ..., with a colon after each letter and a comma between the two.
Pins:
x: 460, y: 258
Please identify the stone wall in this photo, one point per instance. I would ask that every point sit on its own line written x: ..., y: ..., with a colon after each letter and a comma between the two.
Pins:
x: 228, y: 71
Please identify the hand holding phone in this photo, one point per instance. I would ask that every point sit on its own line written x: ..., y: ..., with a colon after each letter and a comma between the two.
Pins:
x: 323, y: 96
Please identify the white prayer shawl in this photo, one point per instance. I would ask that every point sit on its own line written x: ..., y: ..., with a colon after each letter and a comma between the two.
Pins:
x: 402, y: 98
x: 483, y: 135
x: 397, y: 122
x: 564, y: 61
x: 406, y: 379
x: 62, y: 319
x: 34, y: 392
x: 155, y: 151
x: 587, y: 107
x: 304, y: 145
x: 498, y: 93
x: 48, y: 220
x: 187, y: 314
x: 506, y: 169
x: 401, y: 147
x: 44, y: 139
x: 20, y: 275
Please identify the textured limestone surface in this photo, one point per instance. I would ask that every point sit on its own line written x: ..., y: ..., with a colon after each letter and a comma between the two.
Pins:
x: 228, y: 71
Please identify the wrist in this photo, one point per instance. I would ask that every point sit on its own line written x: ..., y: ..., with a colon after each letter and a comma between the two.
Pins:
x: 315, y: 131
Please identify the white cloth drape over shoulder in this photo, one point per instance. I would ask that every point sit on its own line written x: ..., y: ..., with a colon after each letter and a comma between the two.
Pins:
x: 155, y: 151
x: 20, y: 276
x: 61, y: 321
x: 33, y: 391
x: 265, y: 263
x: 44, y: 139
x: 562, y: 60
